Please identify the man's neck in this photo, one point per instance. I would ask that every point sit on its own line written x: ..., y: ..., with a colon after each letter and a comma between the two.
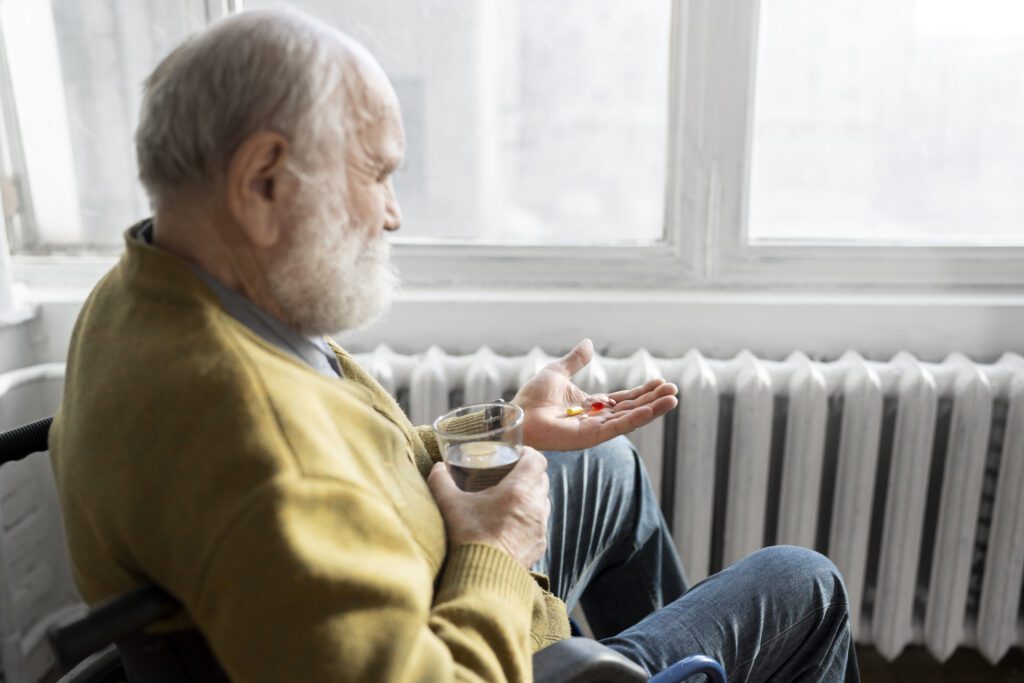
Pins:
x: 212, y: 241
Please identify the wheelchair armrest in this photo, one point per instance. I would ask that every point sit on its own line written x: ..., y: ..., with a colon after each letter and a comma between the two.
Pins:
x: 121, y: 616
x: 579, y: 660
x: 104, y: 665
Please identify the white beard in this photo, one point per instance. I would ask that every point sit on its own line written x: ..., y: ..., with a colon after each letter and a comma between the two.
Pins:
x: 326, y: 281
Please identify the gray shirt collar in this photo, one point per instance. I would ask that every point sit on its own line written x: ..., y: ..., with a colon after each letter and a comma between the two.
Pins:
x: 311, y: 350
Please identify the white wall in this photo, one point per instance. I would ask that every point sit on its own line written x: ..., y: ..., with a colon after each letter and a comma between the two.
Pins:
x: 17, y: 349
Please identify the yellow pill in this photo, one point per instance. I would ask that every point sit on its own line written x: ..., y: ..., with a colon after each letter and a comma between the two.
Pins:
x: 573, y: 410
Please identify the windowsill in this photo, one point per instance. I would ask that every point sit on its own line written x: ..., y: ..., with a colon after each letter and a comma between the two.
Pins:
x: 726, y: 296
x: 17, y: 337
x: 720, y: 323
x: 691, y: 296
x: 21, y: 315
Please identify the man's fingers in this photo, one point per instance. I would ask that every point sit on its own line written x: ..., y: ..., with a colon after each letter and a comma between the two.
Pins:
x: 530, y: 464
x: 602, y: 398
x: 629, y: 394
x: 626, y: 421
x: 662, y: 390
x: 577, y: 359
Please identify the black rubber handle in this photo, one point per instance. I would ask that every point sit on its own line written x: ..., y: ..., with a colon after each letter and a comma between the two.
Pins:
x: 27, y: 439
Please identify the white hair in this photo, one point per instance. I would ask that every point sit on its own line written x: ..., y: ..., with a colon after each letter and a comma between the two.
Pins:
x: 259, y: 70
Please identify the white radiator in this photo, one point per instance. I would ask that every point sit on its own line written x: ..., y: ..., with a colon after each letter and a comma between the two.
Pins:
x: 908, y: 475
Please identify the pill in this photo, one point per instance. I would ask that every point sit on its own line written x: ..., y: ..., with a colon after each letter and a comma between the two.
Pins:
x: 573, y: 410
x: 597, y: 406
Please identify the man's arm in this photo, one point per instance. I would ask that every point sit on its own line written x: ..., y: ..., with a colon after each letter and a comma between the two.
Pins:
x: 316, y: 580
x: 429, y: 439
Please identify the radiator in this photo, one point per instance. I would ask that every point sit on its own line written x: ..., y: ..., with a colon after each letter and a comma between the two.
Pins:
x: 908, y: 475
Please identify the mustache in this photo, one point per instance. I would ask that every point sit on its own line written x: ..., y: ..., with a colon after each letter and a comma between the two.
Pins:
x: 378, y: 253
x: 378, y: 250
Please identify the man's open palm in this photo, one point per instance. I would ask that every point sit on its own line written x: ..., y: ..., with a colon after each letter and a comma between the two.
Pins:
x: 547, y: 395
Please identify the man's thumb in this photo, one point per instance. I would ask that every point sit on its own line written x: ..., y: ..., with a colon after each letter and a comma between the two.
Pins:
x: 577, y: 358
x: 440, y: 482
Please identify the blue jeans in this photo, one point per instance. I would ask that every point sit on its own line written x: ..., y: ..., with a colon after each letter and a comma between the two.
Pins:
x: 780, y: 614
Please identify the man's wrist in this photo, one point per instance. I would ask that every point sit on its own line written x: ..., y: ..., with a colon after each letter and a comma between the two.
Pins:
x: 480, y: 565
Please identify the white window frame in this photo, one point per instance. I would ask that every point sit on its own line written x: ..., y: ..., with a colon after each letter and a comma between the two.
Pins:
x: 704, y: 246
x: 216, y: 9
x: 721, y: 37
x: 668, y: 263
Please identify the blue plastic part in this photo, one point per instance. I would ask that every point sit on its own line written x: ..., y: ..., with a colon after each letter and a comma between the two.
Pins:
x: 697, y: 664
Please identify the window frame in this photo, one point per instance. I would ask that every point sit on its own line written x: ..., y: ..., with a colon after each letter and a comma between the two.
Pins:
x: 720, y: 89
x: 217, y: 9
x: 713, y: 52
x: 671, y: 261
x: 668, y: 262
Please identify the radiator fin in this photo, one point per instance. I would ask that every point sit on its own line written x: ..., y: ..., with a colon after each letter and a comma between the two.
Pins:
x: 428, y: 388
x: 1004, y: 567
x: 695, y: 465
x: 647, y: 439
x: 804, y: 452
x: 958, y: 510
x: 483, y: 378
x: 904, y: 508
x: 859, y: 439
x: 748, y: 461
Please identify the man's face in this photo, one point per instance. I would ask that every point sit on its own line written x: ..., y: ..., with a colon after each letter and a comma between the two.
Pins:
x: 375, y: 149
x: 335, y: 271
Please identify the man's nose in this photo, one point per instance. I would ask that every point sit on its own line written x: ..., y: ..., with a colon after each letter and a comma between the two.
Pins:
x: 392, y: 212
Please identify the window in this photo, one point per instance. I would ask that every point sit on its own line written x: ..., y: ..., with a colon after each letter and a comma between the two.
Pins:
x: 71, y: 88
x: 669, y: 144
x: 889, y: 122
x: 854, y: 143
x: 527, y: 122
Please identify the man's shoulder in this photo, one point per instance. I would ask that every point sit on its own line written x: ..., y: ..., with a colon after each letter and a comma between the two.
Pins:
x: 136, y: 340
x: 172, y: 359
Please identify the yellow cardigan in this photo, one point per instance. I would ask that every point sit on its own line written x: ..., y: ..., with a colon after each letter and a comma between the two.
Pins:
x: 288, y: 512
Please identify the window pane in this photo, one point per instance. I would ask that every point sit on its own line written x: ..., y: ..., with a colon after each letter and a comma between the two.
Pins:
x: 889, y: 120
x: 527, y: 121
x: 75, y: 72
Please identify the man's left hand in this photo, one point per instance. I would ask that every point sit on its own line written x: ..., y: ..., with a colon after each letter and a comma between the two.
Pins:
x: 548, y: 394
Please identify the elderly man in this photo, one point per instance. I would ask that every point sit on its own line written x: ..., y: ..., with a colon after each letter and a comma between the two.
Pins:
x: 211, y: 440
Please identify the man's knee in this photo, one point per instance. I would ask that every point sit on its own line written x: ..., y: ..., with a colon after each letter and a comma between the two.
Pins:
x: 805, y: 571
x: 616, y: 469
x: 618, y: 458
x: 613, y: 461
x: 607, y: 476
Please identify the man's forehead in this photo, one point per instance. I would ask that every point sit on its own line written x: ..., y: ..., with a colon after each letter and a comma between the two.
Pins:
x: 373, y: 115
x: 392, y: 139
x: 370, y: 111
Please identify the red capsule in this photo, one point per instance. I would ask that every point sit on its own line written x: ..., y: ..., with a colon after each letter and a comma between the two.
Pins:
x: 597, y: 406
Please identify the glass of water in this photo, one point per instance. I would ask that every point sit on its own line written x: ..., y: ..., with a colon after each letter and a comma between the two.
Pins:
x: 481, y: 443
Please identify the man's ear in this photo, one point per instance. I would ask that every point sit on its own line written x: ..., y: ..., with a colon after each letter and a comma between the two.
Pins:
x: 257, y: 185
